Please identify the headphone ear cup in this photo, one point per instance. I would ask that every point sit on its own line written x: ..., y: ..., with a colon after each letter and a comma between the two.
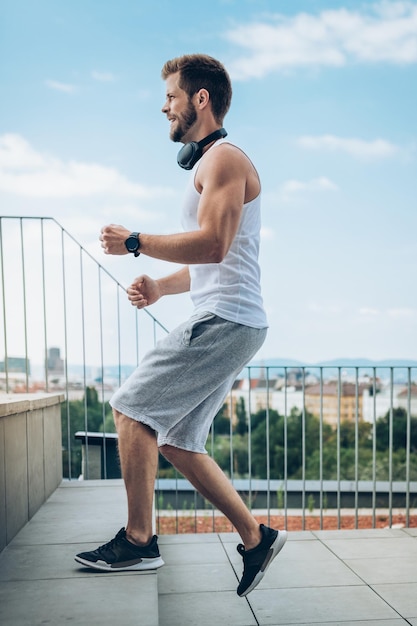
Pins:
x: 189, y: 154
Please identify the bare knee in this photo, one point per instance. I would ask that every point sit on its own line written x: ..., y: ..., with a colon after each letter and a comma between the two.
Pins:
x: 117, y: 418
x: 172, y: 454
x: 120, y: 419
x: 125, y: 423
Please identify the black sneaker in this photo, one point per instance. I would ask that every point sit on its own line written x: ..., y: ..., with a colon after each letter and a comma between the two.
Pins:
x: 119, y: 555
x: 257, y: 560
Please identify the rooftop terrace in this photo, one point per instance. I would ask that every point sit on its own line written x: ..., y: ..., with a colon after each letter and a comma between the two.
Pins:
x: 349, y: 578
x: 340, y: 577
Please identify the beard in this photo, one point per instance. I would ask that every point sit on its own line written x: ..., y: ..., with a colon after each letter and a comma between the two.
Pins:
x: 184, y: 123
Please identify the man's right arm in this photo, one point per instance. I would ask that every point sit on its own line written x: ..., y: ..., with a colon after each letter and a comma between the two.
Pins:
x: 145, y: 291
x: 179, y: 282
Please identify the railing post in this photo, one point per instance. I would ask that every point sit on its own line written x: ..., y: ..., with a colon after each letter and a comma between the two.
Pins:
x: 391, y: 442
x: 268, y: 452
x: 408, y: 449
x: 374, y: 451
x: 339, y: 400
x: 321, y: 448
x: 356, y: 445
x: 286, y: 447
x: 3, y: 293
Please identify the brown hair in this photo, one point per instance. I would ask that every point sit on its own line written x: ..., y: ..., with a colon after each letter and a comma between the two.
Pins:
x: 200, y: 71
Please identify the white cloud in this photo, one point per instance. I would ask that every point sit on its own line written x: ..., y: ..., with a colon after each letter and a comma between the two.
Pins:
x: 325, y: 308
x: 63, y: 87
x: 103, y: 77
x: 394, y: 314
x: 402, y: 313
x: 368, y: 311
x: 87, y: 225
x: 26, y: 172
x: 358, y: 148
x: 382, y: 32
x: 294, y: 189
x: 267, y: 234
x: 293, y: 186
x: 16, y: 153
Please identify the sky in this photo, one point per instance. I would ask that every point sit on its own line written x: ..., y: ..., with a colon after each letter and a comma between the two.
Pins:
x: 324, y: 103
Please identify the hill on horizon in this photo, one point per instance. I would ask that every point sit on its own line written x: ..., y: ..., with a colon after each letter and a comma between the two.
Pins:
x: 339, y: 362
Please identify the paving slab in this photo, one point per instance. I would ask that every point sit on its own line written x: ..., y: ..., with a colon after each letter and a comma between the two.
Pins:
x: 318, y: 605
x: 40, y: 583
x: 401, y: 596
x: 331, y: 578
x: 371, y: 622
x: 205, y: 609
x: 98, y: 600
x: 385, y: 570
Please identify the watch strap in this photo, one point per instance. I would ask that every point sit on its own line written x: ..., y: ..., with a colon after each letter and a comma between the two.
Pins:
x: 136, y: 252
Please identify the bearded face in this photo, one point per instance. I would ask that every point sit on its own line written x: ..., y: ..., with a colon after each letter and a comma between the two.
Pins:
x: 183, y: 122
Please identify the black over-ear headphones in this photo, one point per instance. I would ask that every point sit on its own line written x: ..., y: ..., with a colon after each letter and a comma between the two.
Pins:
x: 191, y: 152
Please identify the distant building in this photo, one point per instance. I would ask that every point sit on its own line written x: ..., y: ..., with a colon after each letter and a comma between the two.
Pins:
x: 286, y: 399
x: 15, y: 365
x: 346, y: 405
x: 258, y: 394
x: 408, y: 397
x: 55, y: 363
x: 376, y: 406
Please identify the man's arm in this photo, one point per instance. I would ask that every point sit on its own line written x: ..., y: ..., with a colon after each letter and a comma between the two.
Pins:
x: 221, y: 180
x: 145, y: 291
x: 178, y: 282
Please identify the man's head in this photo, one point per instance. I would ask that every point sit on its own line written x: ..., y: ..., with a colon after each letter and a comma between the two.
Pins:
x: 200, y: 71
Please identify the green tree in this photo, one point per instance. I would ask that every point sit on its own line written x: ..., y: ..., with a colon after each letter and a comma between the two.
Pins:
x: 259, y: 442
x: 398, y: 468
x: 296, y: 425
x: 241, y: 427
x: 85, y: 414
x: 399, y: 431
x: 221, y: 422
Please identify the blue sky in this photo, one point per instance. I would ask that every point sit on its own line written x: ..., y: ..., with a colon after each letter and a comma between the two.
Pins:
x: 325, y: 100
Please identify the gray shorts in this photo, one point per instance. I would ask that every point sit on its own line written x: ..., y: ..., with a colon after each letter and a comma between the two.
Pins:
x: 182, y: 383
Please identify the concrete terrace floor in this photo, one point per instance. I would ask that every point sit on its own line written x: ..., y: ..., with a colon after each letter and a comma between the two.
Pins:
x: 348, y: 578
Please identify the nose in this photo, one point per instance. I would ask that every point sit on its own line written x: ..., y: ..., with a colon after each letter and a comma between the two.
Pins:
x: 165, y: 108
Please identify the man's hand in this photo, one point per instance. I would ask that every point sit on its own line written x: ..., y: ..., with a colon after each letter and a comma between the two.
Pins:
x: 143, y: 292
x: 113, y: 239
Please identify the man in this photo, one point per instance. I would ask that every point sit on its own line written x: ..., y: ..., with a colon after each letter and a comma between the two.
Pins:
x: 169, y: 402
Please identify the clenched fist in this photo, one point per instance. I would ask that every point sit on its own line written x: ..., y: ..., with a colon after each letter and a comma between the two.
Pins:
x: 113, y: 239
x: 143, y: 291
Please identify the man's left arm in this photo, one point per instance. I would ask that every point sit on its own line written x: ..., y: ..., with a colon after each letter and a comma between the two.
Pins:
x: 221, y: 180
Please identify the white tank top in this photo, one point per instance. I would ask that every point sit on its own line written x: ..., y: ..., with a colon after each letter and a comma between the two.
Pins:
x: 230, y: 289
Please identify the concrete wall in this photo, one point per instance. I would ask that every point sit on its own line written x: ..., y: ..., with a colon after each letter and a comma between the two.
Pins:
x: 30, y: 457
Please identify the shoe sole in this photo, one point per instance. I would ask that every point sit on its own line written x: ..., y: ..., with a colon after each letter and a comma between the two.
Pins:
x: 141, y: 566
x: 274, y: 549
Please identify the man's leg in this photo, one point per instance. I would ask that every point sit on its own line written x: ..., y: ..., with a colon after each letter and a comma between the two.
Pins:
x: 138, y: 454
x: 260, y: 543
x: 133, y: 548
x: 209, y: 480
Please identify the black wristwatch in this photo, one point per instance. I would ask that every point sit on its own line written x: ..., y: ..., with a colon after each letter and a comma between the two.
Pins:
x: 132, y: 243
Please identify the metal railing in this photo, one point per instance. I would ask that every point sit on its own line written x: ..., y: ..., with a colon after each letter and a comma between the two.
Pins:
x: 67, y: 326
x: 312, y: 440
x: 319, y: 442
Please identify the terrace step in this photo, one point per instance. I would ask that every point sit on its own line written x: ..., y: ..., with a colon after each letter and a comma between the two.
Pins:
x: 41, y: 583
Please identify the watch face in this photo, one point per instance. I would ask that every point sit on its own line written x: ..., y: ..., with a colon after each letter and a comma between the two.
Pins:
x: 132, y: 244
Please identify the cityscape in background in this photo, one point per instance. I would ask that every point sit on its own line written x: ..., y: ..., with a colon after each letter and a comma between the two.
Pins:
x: 339, y: 391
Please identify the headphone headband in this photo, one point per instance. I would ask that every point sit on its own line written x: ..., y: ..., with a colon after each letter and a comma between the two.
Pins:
x: 191, y: 152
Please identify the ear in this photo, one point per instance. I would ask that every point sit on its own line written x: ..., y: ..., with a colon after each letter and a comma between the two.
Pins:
x: 203, y: 98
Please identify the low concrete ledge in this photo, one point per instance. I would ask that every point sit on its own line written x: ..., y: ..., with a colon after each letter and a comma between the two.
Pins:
x: 11, y: 403
x: 30, y: 457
